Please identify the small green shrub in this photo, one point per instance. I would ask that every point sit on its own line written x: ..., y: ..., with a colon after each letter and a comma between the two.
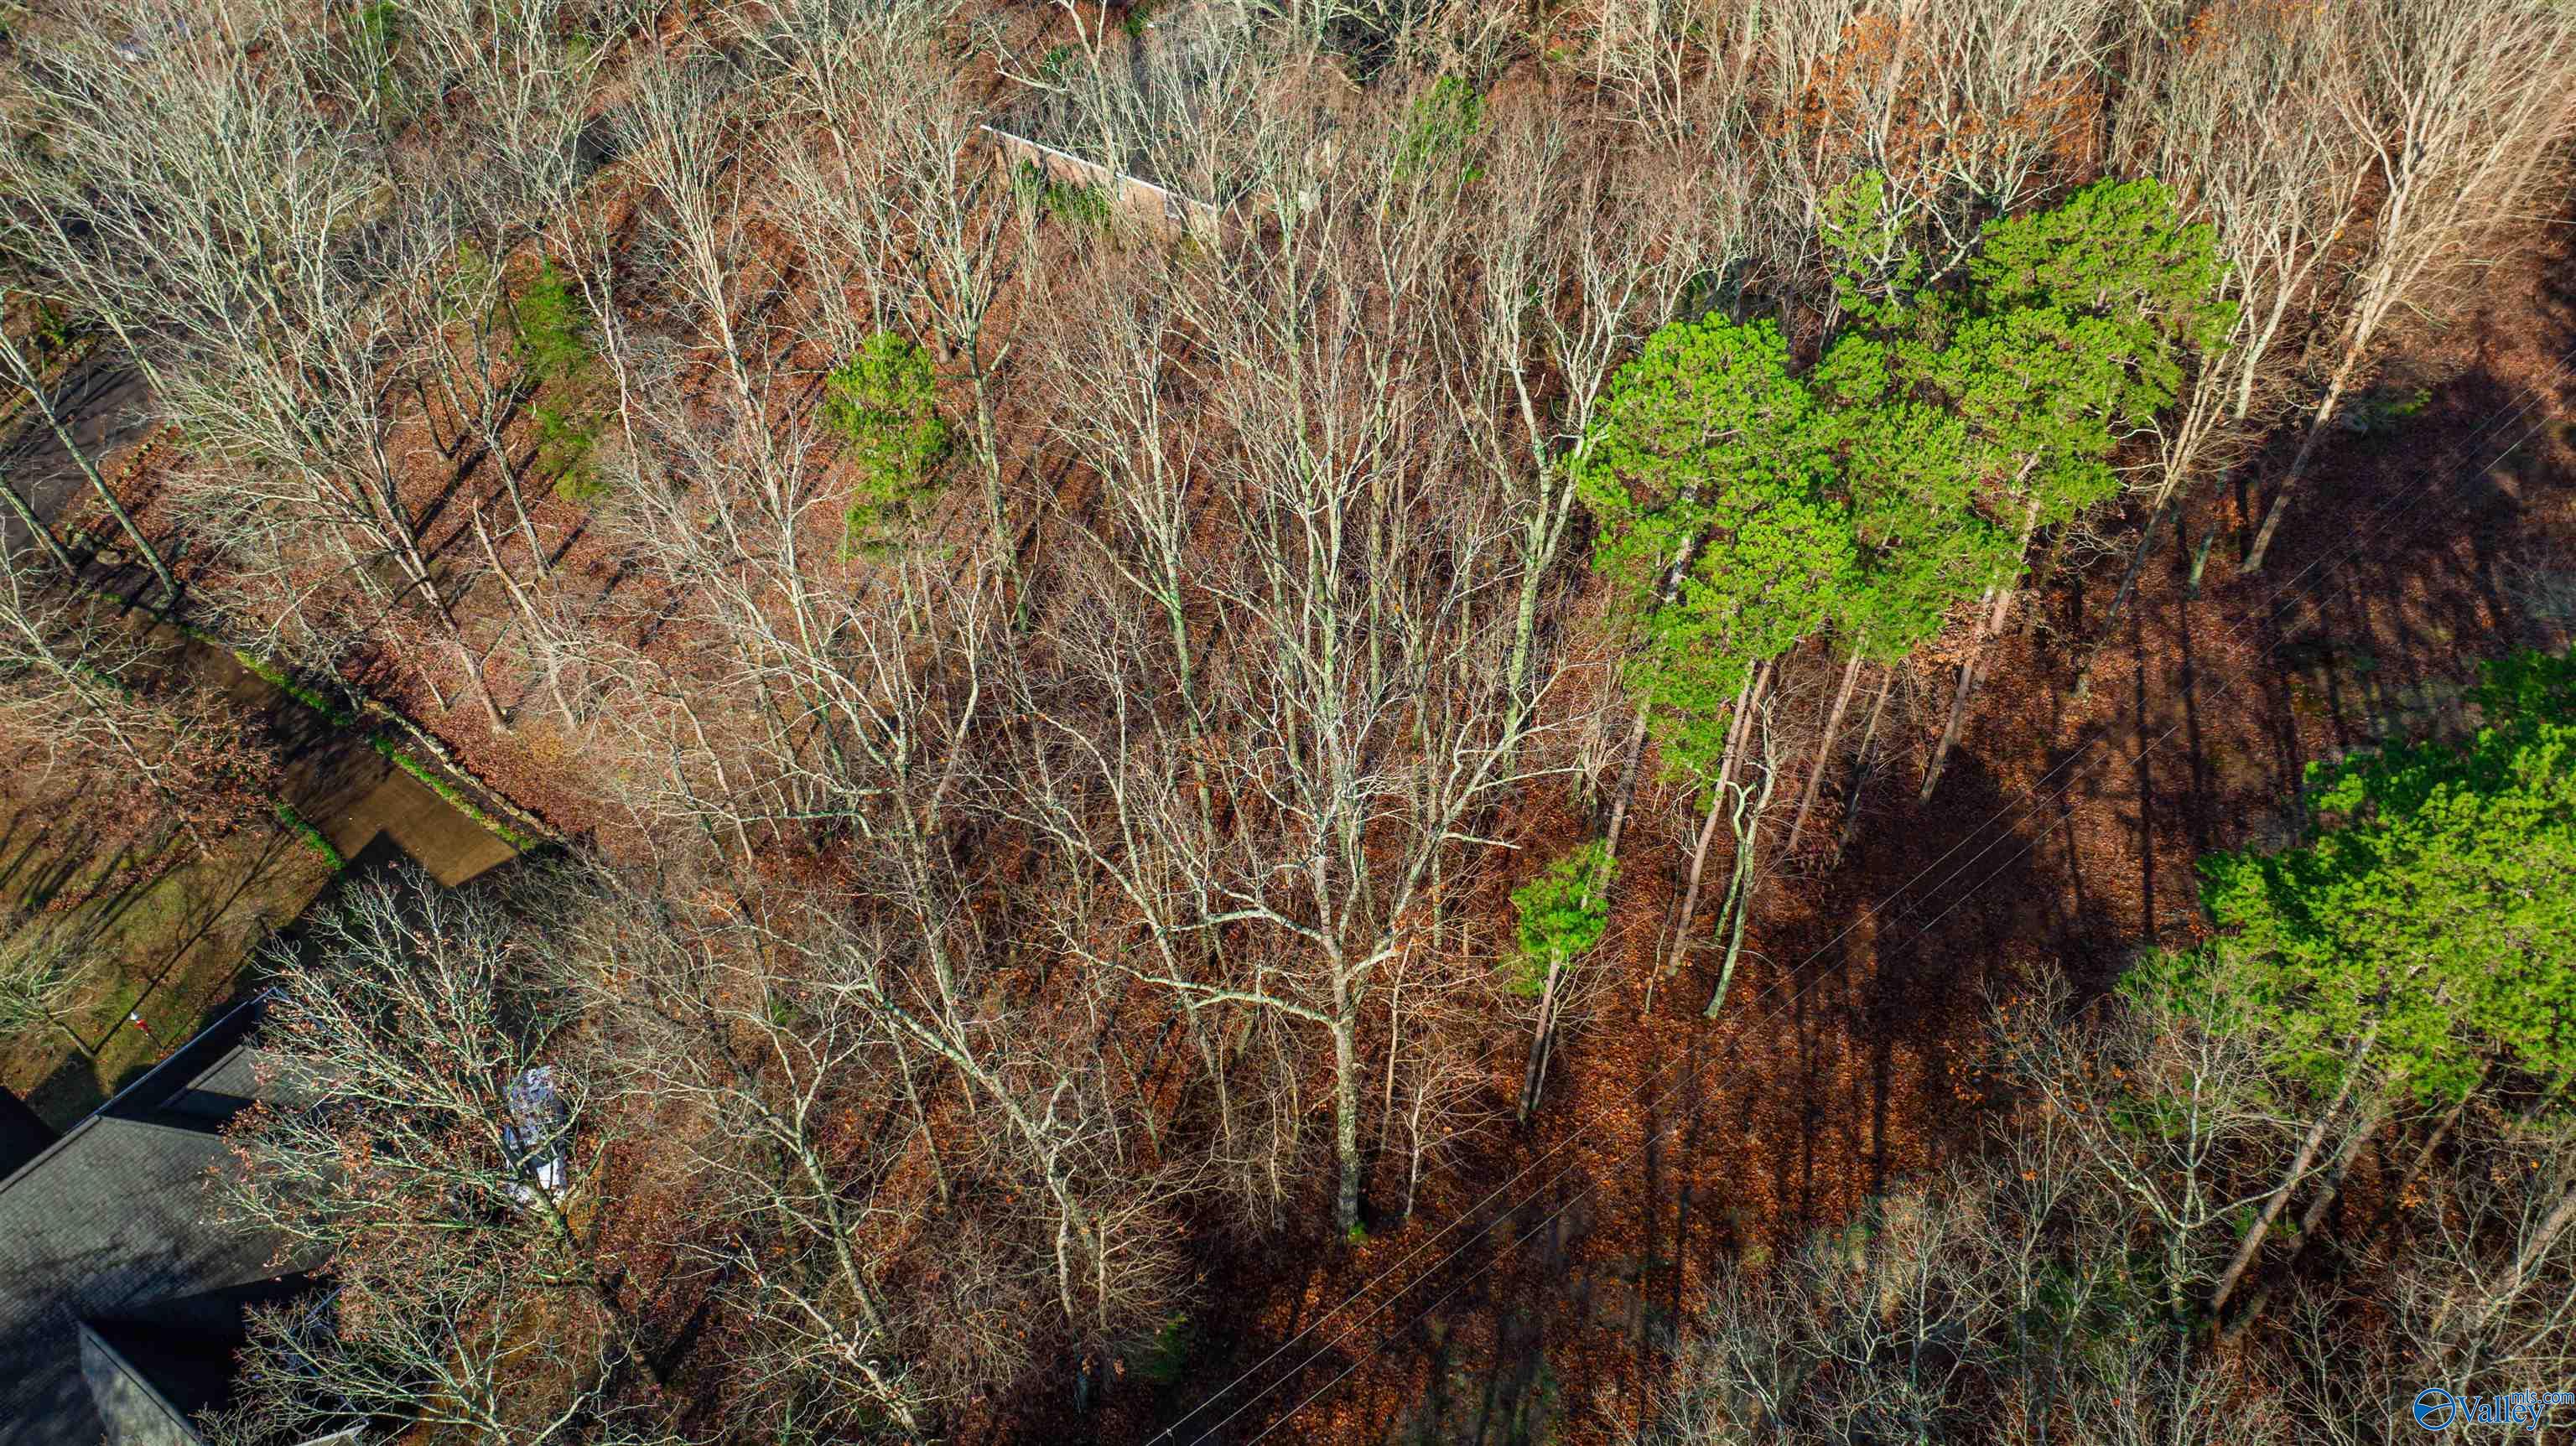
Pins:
x: 53, y: 331
x: 1029, y: 183
x: 884, y: 401
x: 1085, y: 206
x: 1444, y: 122
x: 1070, y: 202
x: 468, y: 283
x: 564, y: 447
x: 550, y: 335
x: 2383, y: 409
x: 374, y: 35
x: 553, y: 328
x: 377, y: 27
x: 1165, y: 1359
x: 1562, y: 914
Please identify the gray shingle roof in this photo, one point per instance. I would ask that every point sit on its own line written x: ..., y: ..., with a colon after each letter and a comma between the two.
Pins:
x: 113, y: 1225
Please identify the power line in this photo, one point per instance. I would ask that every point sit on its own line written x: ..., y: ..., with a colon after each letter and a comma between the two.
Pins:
x: 2385, y: 514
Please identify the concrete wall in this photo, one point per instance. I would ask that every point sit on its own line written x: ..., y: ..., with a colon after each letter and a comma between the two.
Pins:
x: 1167, y: 211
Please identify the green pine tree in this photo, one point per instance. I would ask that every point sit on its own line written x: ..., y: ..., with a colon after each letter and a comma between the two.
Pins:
x: 1708, y: 448
x: 2069, y: 333
x: 2424, y: 938
x: 2433, y: 910
x: 1561, y: 915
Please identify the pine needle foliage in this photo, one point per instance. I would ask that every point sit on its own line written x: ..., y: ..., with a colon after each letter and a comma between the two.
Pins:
x: 2432, y: 904
x: 1562, y: 913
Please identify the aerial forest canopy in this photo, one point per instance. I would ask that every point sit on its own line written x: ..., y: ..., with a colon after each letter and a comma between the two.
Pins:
x: 1517, y: 700
x: 2408, y: 964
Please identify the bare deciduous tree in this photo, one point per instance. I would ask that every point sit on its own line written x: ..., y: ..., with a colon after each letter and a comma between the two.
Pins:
x: 40, y: 976
x: 399, y: 1031
x: 2245, y: 127
x: 462, y: 1343
x: 2459, y: 109
x: 81, y: 709
x: 1362, y: 716
x: 259, y: 262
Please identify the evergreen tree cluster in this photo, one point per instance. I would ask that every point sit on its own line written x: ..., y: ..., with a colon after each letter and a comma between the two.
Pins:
x: 1747, y: 504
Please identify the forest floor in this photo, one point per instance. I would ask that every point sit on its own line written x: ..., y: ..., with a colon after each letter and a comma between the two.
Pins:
x: 1527, y: 1297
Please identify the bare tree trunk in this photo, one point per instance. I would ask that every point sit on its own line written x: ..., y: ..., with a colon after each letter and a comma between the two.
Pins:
x: 2314, y: 1216
x: 1824, y: 751
x: 44, y: 535
x: 2534, y: 1246
x: 1975, y: 662
x: 25, y: 376
x: 1534, y: 1074
x: 2317, y: 422
x: 2274, y: 1203
x: 1632, y: 757
x: 1861, y: 768
x: 1747, y: 698
x: 1739, y: 893
x: 1540, y: 537
x: 547, y: 658
x: 1698, y: 863
x: 988, y: 444
x: 1958, y: 713
x: 474, y: 675
x: 1346, y: 1125
x: 1664, y: 594
x: 79, y: 1045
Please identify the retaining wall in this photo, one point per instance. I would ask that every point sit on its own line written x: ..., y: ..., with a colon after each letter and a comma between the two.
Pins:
x: 1164, y: 209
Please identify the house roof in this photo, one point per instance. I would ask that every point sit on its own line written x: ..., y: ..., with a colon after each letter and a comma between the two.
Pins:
x: 109, y: 1255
